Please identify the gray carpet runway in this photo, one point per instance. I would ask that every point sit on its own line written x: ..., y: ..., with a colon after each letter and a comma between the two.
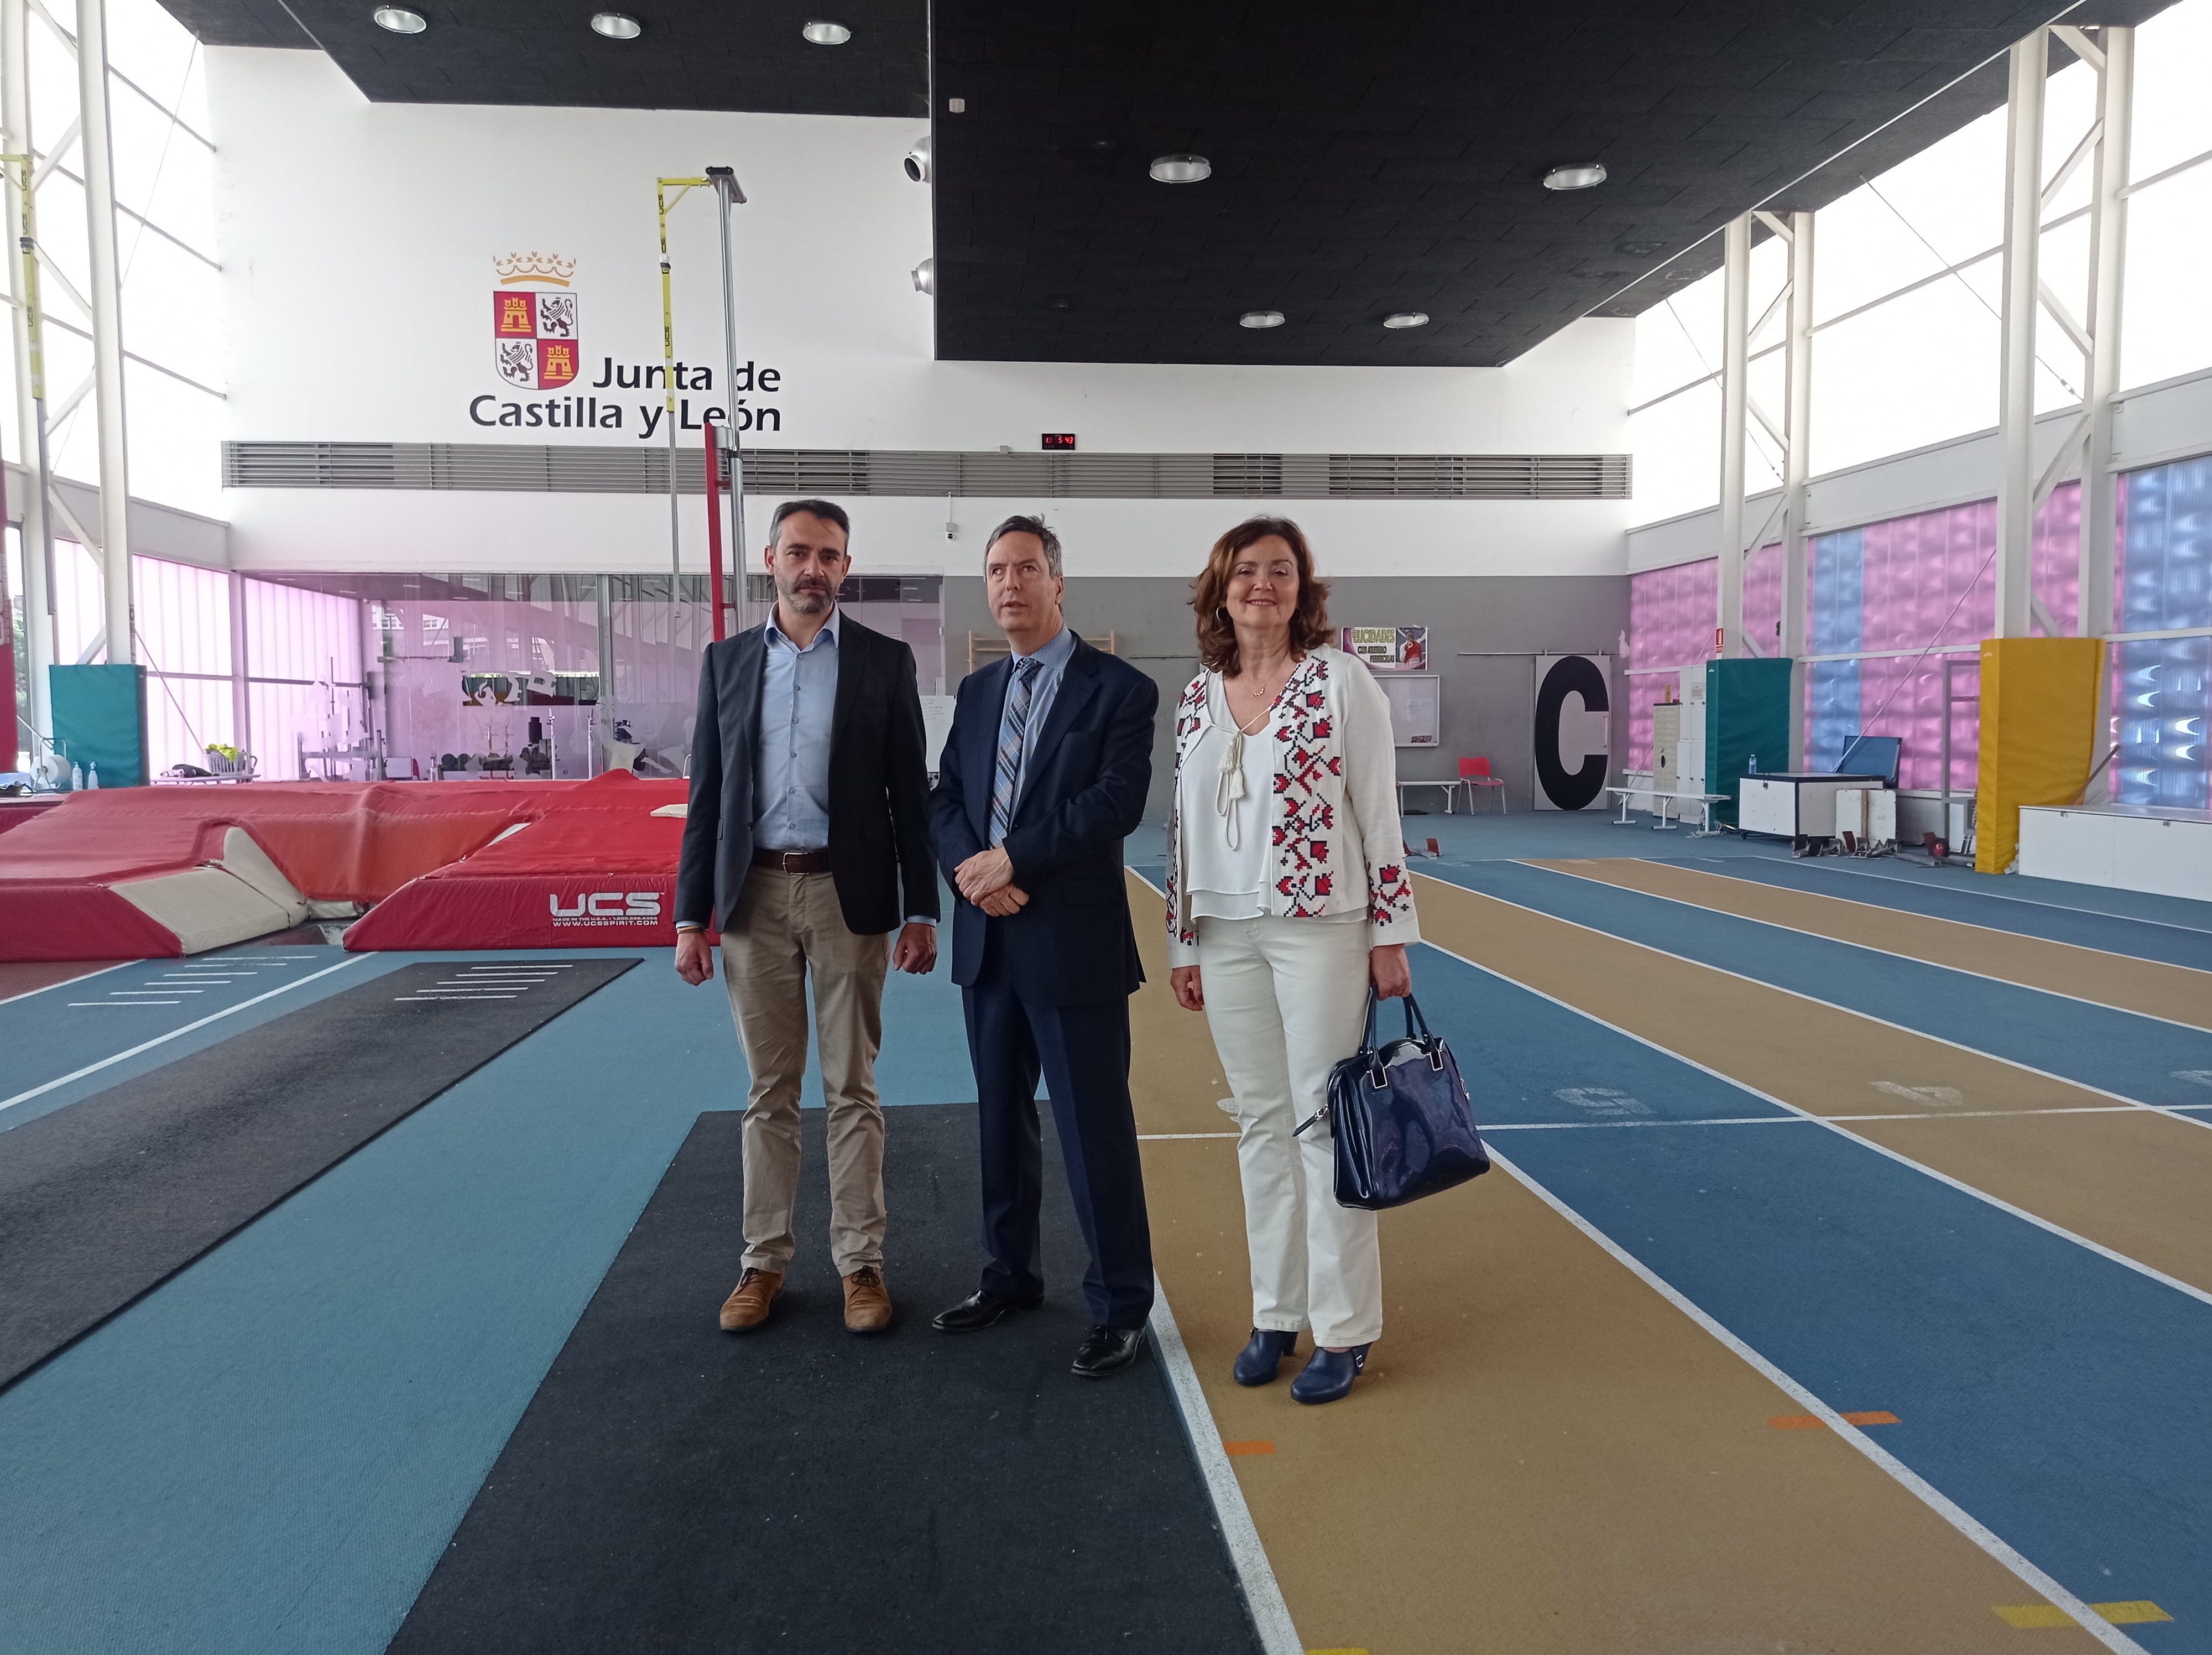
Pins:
x: 103, y: 1201
x: 675, y: 1488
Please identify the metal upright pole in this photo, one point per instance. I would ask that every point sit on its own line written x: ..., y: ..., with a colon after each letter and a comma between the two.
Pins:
x: 2023, y: 232
x: 30, y: 373
x: 1796, y: 468
x: 1736, y: 393
x: 106, y: 296
x: 2108, y: 245
x: 727, y: 193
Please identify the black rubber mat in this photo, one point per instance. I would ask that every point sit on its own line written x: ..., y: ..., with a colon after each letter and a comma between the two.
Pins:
x: 672, y: 1488
x: 103, y: 1201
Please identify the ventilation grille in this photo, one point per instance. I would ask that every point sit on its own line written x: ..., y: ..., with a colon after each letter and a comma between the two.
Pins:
x: 787, y: 472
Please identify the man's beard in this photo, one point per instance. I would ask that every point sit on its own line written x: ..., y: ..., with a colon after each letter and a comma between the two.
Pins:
x: 805, y: 601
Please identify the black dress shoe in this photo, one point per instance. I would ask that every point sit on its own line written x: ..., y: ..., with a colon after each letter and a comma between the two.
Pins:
x: 1108, y: 1350
x: 1259, y: 1362
x: 980, y: 1309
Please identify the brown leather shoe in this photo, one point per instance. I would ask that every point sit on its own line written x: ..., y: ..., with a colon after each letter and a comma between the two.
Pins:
x: 747, y: 1307
x: 868, y: 1302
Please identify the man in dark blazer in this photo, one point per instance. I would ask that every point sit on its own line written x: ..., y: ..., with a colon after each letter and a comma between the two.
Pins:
x: 805, y: 843
x: 1044, y: 776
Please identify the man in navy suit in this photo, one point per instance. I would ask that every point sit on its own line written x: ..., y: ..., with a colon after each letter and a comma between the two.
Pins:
x: 1044, y: 776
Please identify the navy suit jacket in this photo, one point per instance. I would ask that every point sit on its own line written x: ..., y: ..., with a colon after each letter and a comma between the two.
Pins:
x: 1084, y: 794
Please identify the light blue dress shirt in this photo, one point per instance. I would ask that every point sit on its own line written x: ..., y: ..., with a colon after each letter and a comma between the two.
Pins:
x: 799, y: 697
x: 1052, y: 667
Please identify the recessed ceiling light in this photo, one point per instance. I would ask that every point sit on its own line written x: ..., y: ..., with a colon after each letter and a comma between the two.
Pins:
x: 615, y: 26
x: 1406, y: 318
x: 1261, y: 319
x: 1581, y: 175
x: 924, y: 276
x: 1181, y: 169
x: 399, y: 20
x: 827, y: 34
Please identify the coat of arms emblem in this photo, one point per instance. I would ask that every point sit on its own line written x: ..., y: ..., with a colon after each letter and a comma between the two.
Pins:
x: 534, y: 325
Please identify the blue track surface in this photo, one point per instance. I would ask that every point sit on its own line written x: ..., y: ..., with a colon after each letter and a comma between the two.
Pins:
x: 2056, y: 1397
x: 2138, y: 1057
x: 269, y: 1453
x: 2171, y: 940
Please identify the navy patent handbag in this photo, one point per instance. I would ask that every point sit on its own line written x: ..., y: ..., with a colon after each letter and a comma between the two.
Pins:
x: 1404, y: 1127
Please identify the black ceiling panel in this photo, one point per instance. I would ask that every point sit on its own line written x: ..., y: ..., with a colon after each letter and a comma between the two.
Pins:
x: 693, y: 54
x: 1366, y: 162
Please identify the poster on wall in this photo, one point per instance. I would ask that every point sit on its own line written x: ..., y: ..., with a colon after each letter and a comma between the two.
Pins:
x: 1573, y: 735
x: 1389, y: 648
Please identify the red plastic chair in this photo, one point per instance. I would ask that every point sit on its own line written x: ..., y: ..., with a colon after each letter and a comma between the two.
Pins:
x: 1475, y: 773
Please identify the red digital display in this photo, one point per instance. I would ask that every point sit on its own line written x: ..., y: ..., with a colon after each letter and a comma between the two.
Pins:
x: 1059, y: 438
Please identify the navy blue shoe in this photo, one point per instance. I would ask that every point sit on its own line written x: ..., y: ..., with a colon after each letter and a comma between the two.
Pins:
x: 1329, y: 1377
x: 1259, y: 1362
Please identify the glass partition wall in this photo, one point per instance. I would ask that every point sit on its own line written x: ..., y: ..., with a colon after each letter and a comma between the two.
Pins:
x: 535, y: 676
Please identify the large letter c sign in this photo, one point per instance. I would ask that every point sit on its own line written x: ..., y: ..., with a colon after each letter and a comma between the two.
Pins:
x: 1565, y: 733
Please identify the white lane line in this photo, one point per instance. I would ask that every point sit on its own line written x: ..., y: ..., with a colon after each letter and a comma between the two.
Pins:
x: 1794, y: 1120
x: 120, y: 1002
x: 118, y: 994
x: 1994, y: 895
x: 1263, y: 1596
x: 1815, y: 1000
x: 1892, y: 953
x: 1180, y: 1137
x: 1949, y: 1510
x: 70, y: 982
x: 484, y: 982
x: 401, y: 1000
x: 1883, y: 1150
x: 148, y: 1045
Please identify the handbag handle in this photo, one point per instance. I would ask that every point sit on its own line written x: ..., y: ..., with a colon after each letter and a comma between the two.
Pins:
x: 1413, y: 1017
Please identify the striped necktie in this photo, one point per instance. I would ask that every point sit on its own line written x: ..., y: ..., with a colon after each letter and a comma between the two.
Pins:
x: 1010, y: 748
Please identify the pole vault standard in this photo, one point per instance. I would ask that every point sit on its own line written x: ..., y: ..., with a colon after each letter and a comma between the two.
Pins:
x: 727, y: 194
x: 714, y: 531
x: 683, y: 187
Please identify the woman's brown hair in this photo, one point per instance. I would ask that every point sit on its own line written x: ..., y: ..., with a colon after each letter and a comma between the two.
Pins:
x: 1217, y: 638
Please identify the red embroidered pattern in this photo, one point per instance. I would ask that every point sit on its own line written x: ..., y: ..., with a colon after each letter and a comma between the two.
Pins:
x: 1189, y: 717
x: 1306, y: 869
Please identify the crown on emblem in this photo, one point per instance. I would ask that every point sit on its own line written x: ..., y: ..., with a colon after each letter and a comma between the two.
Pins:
x: 534, y: 267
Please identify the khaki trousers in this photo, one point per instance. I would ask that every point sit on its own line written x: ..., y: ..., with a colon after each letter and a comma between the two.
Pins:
x: 785, y: 926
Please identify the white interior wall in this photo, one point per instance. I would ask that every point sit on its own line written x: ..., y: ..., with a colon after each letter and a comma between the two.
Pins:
x: 358, y: 241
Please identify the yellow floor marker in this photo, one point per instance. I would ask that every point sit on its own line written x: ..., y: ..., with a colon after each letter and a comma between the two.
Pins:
x: 2029, y: 1616
x: 1814, y: 1422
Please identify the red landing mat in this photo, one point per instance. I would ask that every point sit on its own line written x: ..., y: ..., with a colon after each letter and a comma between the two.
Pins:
x: 335, y: 842
x: 601, y: 879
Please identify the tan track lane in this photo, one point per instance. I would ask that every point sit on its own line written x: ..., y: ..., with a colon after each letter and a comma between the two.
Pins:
x: 2131, y: 1179
x: 2122, y: 981
x: 1544, y: 1456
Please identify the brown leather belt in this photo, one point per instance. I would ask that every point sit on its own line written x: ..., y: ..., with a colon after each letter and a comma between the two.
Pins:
x: 793, y: 862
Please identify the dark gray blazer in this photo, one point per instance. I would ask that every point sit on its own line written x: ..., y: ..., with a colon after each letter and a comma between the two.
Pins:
x: 879, y: 847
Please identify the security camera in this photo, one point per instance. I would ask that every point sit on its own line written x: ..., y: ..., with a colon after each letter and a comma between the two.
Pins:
x: 917, y: 160
x: 924, y: 276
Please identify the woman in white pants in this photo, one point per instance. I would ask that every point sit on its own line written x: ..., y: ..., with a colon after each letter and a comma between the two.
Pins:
x: 1288, y: 895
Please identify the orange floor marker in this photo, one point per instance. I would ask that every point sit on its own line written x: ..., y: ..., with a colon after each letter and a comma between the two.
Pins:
x: 1248, y: 1448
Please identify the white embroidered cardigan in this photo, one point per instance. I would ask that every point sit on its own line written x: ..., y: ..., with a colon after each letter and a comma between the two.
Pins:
x: 1332, y: 817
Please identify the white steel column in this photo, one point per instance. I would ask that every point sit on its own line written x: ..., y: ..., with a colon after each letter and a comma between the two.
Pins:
x: 30, y: 407
x: 106, y: 296
x: 2023, y: 228
x: 1735, y: 399
x: 1796, y: 468
x: 2107, y: 270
